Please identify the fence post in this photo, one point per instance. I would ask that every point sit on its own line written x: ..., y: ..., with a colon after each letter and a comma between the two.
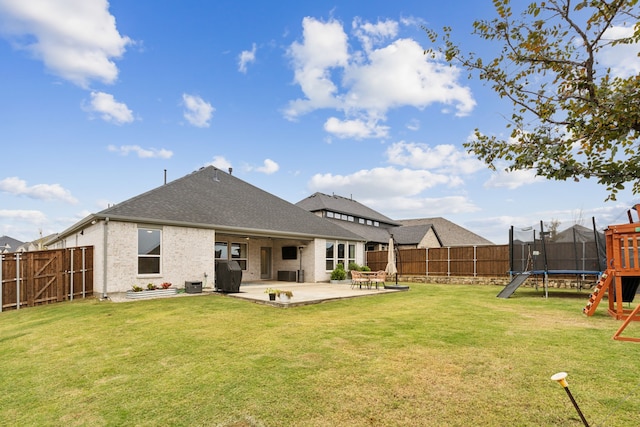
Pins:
x: 71, y: 278
x: 17, y: 280
x: 475, y: 260
x: 84, y: 269
x: 448, y: 261
x: 427, y: 261
x: 1, y: 281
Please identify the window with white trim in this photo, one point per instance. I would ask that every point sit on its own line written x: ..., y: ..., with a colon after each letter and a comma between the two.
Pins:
x: 149, y: 250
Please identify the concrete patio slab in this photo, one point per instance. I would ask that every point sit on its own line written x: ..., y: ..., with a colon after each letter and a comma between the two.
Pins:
x: 303, y: 293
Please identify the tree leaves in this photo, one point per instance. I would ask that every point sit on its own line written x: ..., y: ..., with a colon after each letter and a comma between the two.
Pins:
x: 571, y: 119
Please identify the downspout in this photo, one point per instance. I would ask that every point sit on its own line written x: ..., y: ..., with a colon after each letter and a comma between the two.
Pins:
x: 105, y: 230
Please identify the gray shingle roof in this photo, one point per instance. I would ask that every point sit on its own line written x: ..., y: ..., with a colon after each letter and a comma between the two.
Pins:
x: 412, y: 234
x: 13, y: 243
x: 323, y: 202
x: 217, y: 199
x: 578, y: 232
x: 367, y: 232
x: 450, y: 234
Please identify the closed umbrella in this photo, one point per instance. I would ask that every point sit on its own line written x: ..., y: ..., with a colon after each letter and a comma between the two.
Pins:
x: 391, y: 259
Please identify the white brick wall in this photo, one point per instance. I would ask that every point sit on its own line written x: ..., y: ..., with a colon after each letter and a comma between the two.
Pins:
x: 187, y: 254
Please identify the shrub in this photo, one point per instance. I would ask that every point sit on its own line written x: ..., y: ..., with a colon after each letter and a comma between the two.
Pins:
x: 338, y: 273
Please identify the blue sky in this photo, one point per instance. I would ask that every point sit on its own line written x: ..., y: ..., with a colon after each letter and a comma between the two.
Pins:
x: 99, y: 98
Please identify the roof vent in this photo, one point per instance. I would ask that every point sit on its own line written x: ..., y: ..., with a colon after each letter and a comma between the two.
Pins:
x: 215, y: 175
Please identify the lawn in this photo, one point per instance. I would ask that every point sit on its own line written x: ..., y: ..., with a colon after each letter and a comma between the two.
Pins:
x: 438, y: 355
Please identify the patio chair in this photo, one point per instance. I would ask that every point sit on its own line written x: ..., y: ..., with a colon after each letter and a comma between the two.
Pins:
x: 358, y: 279
x: 378, y: 278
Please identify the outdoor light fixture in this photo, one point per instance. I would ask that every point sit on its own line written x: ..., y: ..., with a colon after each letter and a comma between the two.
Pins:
x: 561, y: 378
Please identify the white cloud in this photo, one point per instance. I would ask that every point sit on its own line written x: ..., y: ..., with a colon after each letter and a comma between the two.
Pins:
x: 512, y: 180
x: 413, y: 124
x: 220, y: 162
x: 444, y: 157
x: 18, y: 187
x: 143, y: 153
x: 198, y: 112
x: 380, y: 183
x: 76, y: 39
x: 31, y: 216
x: 357, y: 129
x: 422, y: 207
x: 268, y: 167
x: 246, y: 57
x: 401, y: 75
x: 374, y: 34
x: 109, y: 109
x: 324, y: 47
x: 623, y: 58
x: 365, y: 84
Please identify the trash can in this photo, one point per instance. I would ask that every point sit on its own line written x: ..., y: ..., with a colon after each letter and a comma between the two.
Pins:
x: 193, y: 287
x: 300, y: 276
x: 228, y: 276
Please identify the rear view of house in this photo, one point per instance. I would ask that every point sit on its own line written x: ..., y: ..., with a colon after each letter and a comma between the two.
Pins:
x: 176, y: 233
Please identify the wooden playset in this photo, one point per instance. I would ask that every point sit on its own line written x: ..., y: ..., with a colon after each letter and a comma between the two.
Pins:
x: 621, y: 278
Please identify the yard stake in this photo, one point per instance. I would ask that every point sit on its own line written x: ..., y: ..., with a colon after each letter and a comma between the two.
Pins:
x: 561, y: 378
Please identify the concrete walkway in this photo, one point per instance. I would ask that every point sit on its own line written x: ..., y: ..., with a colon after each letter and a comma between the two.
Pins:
x: 303, y: 293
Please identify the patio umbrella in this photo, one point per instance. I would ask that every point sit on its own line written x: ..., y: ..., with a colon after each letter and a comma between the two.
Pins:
x: 391, y: 259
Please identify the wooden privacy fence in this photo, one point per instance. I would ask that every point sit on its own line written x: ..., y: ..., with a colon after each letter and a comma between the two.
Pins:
x: 44, y: 277
x: 470, y: 261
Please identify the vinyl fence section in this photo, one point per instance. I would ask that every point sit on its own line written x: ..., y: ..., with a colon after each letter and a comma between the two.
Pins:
x: 468, y: 261
x: 42, y: 277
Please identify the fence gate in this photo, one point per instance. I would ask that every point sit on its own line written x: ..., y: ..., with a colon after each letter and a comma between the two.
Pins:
x: 43, y: 277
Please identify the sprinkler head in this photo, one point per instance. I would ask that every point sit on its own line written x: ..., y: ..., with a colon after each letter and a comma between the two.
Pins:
x: 561, y: 377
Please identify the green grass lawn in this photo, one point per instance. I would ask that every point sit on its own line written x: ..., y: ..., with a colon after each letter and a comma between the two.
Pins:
x: 438, y: 355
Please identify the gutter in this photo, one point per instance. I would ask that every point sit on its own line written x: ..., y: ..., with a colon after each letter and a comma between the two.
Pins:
x: 229, y: 229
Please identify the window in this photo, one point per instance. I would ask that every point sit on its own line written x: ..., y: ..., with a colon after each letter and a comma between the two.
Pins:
x: 360, y: 220
x: 239, y: 253
x: 352, y: 253
x: 149, y: 251
x: 329, y: 214
x: 339, y: 253
x: 329, y: 256
x: 221, y: 250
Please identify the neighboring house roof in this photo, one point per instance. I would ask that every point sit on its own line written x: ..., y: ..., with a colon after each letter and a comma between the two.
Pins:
x: 367, y: 232
x: 13, y: 244
x: 36, y: 245
x: 449, y: 234
x: 211, y: 198
x: 405, y: 232
x: 413, y: 234
x: 582, y: 234
x: 323, y: 202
